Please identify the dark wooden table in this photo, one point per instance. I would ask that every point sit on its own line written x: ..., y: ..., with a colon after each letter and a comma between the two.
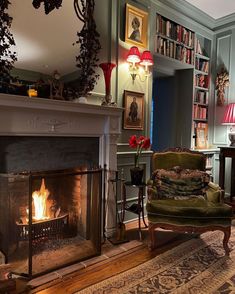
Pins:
x: 137, y: 208
x: 228, y: 151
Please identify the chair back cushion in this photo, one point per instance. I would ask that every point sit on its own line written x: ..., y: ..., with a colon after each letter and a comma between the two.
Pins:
x: 178, y: 183
x: 185, y: 158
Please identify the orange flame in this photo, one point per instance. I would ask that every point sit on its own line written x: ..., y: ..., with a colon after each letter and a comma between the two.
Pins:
x: 40, y: 202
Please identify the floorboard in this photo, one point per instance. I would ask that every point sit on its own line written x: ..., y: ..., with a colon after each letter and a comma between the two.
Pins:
x: 104, y: 269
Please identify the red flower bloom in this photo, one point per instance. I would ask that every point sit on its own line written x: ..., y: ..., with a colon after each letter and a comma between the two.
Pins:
x: 133, y: 141
x: 146, y: 143
x: 139, y: 143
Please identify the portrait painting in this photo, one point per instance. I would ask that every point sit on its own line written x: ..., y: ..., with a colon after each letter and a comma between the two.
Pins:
x: 133, y: 110
x: 136, y: 30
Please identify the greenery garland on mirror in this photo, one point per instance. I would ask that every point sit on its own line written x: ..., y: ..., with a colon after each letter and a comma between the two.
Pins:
x: 7, y: 57
x: 49, y: 5
x: 88, y: 39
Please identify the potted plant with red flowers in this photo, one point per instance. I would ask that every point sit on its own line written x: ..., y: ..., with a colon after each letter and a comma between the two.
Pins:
x: 139, y: 144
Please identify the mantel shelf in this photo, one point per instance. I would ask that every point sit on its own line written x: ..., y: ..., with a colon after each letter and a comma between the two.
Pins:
x: 15, y: 101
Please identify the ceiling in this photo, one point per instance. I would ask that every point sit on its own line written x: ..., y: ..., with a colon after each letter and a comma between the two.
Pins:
x: 215, y: 8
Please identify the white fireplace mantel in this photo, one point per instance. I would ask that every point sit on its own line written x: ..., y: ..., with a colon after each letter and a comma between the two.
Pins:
x: 25, y: 116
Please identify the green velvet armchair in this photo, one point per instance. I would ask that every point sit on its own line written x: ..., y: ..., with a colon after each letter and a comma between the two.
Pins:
x: 182, y: 198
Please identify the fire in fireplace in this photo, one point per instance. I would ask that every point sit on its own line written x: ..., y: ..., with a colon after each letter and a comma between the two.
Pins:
x: 49, y: 219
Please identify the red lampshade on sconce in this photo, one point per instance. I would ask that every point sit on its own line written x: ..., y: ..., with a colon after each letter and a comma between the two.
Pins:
x: 229, y: 119
x: 134, y: 57
x: 146, y: 59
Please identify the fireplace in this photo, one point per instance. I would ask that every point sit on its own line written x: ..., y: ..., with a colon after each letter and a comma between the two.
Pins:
x: 49, y: 219
x: 57, y: 149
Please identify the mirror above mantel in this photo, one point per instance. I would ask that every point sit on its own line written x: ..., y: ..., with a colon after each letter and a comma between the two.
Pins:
x: 52, y: 50
x: 44, y: 43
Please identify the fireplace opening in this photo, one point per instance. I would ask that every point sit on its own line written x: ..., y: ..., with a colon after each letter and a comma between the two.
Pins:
x: 49, y: 219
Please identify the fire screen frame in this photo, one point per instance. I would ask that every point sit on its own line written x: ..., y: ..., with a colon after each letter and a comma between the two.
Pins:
x: 32, y: 176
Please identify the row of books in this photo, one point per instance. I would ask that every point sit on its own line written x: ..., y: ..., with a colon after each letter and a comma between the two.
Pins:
x: 201, y: 64
x: 173, y: 50
x: 174, y: 31
x: 201, y: 97
x: 201, y: 81
x: 199, y: 112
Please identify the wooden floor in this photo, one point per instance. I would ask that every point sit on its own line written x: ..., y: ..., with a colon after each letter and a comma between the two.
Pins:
x: 117, y: 264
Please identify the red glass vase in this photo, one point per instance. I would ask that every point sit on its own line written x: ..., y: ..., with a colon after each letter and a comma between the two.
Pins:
x: 107, y: 68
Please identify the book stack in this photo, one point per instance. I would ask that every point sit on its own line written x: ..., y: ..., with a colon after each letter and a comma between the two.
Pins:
x: 201, y: 97
x: 199, y: 112
x: 202, y: 65
x: 174, y: 31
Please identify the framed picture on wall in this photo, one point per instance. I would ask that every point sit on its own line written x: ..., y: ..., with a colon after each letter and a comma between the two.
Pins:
x: 133, y: 110
x: 201, y: 138
x: 136, y: 28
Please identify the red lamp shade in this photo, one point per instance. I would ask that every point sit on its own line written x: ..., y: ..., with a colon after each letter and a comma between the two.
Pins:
x: 146, y: 58
x: 133, y: 55
x: 229, y: 115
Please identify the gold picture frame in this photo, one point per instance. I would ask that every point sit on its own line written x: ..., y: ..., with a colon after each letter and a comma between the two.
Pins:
x: 201, y: 138
x: 136, y: 28
x: 133, y: 110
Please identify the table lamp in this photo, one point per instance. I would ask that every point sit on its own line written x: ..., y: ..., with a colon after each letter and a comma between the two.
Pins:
x: 229, y: 119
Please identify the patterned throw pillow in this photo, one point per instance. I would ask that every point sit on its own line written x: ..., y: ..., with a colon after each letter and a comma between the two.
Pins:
x: 178, y: 183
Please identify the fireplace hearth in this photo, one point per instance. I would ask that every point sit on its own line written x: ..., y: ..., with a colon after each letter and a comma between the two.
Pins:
x: 49, y: 219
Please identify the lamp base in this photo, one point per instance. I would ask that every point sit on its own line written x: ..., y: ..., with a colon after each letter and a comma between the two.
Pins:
x: 232, y: 139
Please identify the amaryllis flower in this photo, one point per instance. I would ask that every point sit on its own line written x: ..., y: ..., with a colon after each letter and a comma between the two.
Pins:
x: 140, y: 144
x: 146, y: 143
x: 133, y: 141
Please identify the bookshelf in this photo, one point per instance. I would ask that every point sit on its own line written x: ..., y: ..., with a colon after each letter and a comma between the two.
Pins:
x: 188, y: 54
x: 201, y: 89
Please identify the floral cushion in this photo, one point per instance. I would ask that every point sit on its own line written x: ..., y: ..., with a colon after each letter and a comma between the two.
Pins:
x: 178, y: 183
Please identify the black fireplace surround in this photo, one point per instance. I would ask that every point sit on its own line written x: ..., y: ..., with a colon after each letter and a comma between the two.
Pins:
x: 50, y: 202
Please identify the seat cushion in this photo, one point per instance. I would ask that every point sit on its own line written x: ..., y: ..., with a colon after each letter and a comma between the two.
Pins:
x: 195, y: 208
x: 180, y: 182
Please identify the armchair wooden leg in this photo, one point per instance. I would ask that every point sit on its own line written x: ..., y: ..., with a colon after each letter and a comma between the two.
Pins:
x: 227, y: 233
x: 151, y: 244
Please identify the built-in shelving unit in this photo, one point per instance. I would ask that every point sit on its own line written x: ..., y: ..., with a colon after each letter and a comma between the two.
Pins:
x: 201, y: 92
x: 177, y: 44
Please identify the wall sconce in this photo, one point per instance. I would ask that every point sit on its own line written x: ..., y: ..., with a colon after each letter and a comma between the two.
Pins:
x: 229, y: 119
x: 135, y: 60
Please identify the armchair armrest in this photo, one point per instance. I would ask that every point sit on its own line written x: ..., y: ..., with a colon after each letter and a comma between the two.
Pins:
x: 214, y: 193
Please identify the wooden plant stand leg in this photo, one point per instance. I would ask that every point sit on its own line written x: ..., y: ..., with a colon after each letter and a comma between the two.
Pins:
x: 227, y: 233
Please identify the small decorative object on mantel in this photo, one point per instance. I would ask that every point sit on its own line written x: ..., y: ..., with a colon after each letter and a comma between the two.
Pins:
x: 222, y: 81
x: 139, y: 144
x: 107, y: 68
x: 56, y: 86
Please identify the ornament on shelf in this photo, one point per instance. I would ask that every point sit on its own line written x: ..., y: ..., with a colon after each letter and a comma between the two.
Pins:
x: 222, y: 81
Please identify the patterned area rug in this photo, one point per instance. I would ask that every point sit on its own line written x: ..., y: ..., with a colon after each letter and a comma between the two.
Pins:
x: 196, y: 266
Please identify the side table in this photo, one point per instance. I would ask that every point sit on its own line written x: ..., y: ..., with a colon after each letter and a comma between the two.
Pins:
x: 137, y: 208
